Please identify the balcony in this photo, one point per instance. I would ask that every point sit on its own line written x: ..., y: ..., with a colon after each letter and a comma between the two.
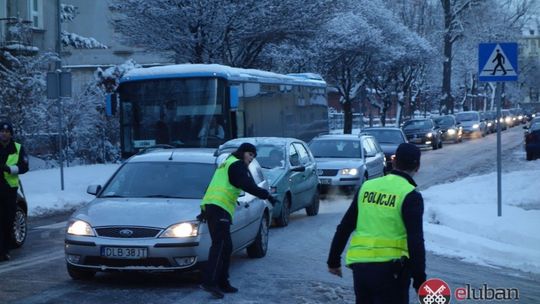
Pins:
x: 16, y: 37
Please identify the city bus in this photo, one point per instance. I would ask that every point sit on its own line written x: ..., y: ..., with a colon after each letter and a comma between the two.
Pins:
x: 204, y: 105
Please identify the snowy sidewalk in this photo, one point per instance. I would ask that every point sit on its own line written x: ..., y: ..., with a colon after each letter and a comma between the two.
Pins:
x: 461, y: 219
x: 42, y: 187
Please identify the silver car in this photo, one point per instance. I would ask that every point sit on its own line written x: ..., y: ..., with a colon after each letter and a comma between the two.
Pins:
x: 145, y: 217
x: 347, y: 161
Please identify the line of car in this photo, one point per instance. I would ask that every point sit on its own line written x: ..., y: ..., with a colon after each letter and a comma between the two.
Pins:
x: 145, y: 217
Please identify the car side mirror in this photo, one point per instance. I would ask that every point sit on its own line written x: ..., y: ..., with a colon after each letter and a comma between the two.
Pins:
x: 525, y: 127
x: 93, y: 189
x: 299, y: 169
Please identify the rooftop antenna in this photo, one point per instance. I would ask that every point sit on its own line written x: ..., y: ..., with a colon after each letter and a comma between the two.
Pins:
x: 170, y: 157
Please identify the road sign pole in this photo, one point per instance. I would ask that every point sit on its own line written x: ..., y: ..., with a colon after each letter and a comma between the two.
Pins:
x: 499, y: 150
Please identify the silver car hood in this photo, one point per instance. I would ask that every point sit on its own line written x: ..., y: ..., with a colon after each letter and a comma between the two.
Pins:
x: 338, y: 163
x: 148, y: 212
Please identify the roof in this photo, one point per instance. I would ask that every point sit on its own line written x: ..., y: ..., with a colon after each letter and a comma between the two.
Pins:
x: 259, y: 141
x: 338, y: 136
x: 381, y: 128
x: 216, y: 70
x: 195, y: 155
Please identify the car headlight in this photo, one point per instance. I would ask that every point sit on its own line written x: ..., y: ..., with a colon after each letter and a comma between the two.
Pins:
x: 475, y: 126
x: 508, y: 119
x: 80, y: 228
x: 429, y: 135
x: 451, y: 131
x: 181, y: 230
x: 352, y: 171
x: 520, y: 117
x: 489, y: 124
x: 534, y: 115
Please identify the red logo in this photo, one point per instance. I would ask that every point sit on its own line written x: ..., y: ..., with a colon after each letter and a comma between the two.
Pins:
x: 434, y: 291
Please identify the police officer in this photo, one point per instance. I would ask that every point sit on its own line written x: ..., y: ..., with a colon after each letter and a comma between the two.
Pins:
x: 218, y: 207
x: 387, y: 246
x: 14, y: 161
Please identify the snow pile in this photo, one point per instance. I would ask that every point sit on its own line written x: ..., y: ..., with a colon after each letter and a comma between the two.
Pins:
x: 42, y: 187
x: 461, y: 220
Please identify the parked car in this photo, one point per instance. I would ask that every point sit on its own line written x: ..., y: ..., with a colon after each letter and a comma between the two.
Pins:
x: 346, y: 161
x: 290, y: 168
x: 472, y: 124
x: 20, y: 228
x: 449, y: 128
x: 423, y: 133
x: 389, y: 139
x: 145, y: 217
x: 532, y: 140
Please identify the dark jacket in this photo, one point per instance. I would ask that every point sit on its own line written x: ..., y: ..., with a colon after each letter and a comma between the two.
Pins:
x: 22, y: 164
x: 240, y: 177
x: 412, y: 211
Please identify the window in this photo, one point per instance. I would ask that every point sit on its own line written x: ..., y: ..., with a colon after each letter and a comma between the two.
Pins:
x: 369, y: 148
x: 304, y: 156
x: 294, y: 158
x: 35, y: 9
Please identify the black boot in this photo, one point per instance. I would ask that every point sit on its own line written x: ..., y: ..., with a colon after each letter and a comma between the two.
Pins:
x: 4, y: 257
x: 227, y: 287
x: 213, y: 290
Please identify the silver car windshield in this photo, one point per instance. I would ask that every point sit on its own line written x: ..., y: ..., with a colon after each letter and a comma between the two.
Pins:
x: 386, y: 136
x: 467, y: 117
x: 161, y: 179
x: 336, y: 148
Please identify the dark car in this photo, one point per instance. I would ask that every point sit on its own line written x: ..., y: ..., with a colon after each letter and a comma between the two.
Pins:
x: 389, y: 139
x: 490, y: 119
x: 423, y: 133
x: 532, y: 140
x: 449, y: 128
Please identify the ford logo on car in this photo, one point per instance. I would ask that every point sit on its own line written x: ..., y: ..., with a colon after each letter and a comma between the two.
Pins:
x: 126, y: 232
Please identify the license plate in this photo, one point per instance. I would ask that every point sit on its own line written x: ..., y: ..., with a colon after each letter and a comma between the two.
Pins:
x: 325, y: 181
x: 124, y: 252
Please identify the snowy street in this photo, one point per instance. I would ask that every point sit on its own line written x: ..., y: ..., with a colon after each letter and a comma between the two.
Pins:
x: 294, y: 270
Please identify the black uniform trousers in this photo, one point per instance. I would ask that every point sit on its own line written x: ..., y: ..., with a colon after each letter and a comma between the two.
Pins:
x: 8, y: 207
x: 219, y: 258
x: 381, y: 283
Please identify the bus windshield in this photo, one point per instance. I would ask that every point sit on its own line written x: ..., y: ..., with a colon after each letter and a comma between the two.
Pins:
x: 184, y: 112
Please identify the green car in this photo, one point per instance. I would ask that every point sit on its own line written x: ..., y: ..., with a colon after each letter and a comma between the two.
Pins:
x: 291, y: 171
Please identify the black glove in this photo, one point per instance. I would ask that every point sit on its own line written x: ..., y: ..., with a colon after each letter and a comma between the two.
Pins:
x: 202, y: 216
x: 6, y: 169
x: 272, y: 200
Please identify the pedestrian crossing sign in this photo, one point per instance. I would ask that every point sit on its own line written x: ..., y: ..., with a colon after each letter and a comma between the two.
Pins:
x: 498, y: 62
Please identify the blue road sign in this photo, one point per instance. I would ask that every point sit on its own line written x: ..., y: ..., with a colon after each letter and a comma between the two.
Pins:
x: 498, y: 62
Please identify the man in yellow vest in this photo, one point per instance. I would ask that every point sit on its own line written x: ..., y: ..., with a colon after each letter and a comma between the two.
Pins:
x: 14, y: 161
x: 387, y: 244
x: 218, y: 205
